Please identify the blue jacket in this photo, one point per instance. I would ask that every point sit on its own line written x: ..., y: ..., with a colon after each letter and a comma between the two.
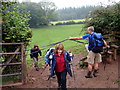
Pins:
x: 67, y: 59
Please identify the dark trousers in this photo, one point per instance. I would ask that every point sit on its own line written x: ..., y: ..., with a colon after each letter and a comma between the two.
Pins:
x: 61, y: 77
x: 35, y: 59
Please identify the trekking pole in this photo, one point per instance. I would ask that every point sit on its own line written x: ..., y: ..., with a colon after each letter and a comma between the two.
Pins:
x: 48, y: 77
x: 74, y: 77
x: 44, y: 69
x: 49, y: 82
x: 73, y: 72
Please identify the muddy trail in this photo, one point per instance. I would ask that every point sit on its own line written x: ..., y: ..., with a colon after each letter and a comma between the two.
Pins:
x: 106, y: 78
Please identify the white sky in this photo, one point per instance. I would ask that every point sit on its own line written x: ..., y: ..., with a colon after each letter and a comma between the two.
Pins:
x: 76, y: 3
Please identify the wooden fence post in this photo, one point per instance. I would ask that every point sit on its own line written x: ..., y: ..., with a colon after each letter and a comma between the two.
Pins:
x: 115, y: 47
x: 23, y: 64
x: 9, y: 63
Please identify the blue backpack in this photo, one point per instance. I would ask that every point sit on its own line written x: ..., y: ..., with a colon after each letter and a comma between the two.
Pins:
x: 97, y: 43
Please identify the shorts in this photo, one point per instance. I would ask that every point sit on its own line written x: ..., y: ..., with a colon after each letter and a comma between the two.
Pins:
x: 93, y: 58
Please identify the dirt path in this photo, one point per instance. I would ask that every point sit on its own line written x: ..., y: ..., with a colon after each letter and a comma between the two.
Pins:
x: 105, y: 79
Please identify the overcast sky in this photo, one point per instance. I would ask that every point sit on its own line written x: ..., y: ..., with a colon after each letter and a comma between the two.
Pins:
x: 76, y: 3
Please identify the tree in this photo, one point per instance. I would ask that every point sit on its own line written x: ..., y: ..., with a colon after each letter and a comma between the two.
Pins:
x: 49, y: 8
x: 41, y: 13
x: 36, y: 14
x: 15, y: 27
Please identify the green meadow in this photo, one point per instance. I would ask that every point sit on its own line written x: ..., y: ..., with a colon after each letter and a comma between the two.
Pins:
x: 52, y: 34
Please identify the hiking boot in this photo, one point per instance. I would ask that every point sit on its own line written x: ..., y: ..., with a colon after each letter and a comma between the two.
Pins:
x: 94, y: 73
x: 89, y: 75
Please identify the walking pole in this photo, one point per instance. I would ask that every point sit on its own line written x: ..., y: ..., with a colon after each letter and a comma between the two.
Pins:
x: 49, y: 82
x: 73, y: 71
x: 44, y: 69
x: 74, y: 77
x: 48, y: 77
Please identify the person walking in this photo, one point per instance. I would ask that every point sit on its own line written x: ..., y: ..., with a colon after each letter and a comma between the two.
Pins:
x: 60, y: 65
x: 34, y: 55
x: 93, y: 58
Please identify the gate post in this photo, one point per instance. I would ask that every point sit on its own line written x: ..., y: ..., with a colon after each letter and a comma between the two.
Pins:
x: 24, y: 69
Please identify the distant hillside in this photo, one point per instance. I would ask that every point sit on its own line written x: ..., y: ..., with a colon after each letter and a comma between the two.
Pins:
x: 75, y: 13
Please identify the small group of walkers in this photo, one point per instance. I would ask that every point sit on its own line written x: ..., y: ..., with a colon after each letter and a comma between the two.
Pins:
x: 59, y: 59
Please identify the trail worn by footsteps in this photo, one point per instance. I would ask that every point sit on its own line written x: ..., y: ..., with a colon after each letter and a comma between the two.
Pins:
x: 105, y: 79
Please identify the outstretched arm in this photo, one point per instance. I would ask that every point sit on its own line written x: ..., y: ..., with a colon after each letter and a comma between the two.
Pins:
x: 79, y: 38
x: 75, y: 38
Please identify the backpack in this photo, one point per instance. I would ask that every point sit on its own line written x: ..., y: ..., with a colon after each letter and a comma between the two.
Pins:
x: 97, y: 43
x: 50, y: 50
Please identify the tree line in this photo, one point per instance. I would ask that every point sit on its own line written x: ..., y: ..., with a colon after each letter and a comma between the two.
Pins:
x: 72, y: 13
x: 43, y: 13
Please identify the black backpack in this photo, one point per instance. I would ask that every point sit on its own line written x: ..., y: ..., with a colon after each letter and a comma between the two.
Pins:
x: 97, y: 43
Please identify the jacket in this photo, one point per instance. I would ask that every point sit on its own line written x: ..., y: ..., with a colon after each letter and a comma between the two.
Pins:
x: 67, y: 59
x: 34, y: 53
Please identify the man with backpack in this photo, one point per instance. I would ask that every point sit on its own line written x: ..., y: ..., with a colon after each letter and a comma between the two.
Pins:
x: 95, y: 45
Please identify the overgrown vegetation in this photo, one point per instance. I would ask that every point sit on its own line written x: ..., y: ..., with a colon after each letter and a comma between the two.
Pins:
x: 107, y: 21
x: 15, y: 28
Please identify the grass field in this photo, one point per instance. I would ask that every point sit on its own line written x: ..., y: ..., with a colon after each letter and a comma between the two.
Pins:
x: 52, y: 34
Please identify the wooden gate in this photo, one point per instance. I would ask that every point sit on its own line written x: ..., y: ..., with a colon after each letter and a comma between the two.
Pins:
x: 21, y: 65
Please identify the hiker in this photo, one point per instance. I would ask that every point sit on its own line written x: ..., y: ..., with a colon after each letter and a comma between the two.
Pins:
x: 34, y: 54
x: 60, y: 64
x: 93, y: 58
x: 48, y: 53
